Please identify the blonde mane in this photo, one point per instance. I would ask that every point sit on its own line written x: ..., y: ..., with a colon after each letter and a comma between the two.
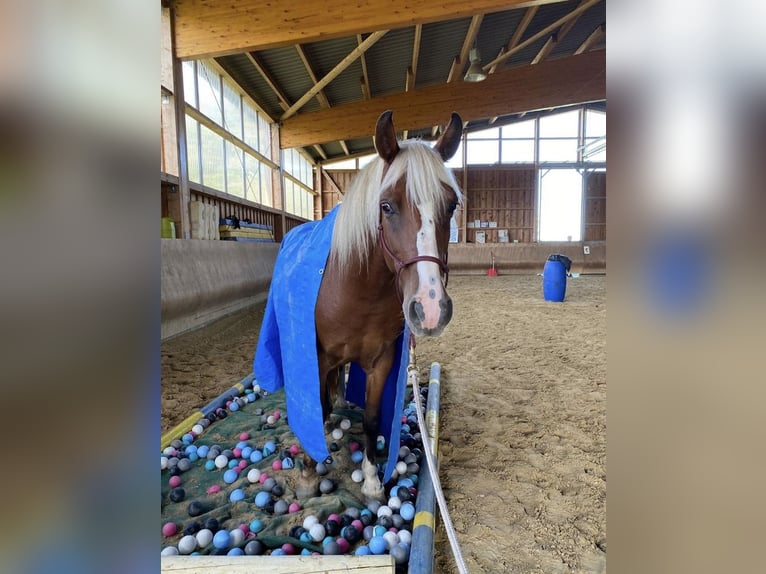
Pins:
x: 356, y: 226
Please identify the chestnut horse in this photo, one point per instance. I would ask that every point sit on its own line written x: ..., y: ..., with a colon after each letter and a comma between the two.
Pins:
x: 387, y: 266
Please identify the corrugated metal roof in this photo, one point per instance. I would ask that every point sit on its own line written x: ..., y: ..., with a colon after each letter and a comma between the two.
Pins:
x: 388, y: 59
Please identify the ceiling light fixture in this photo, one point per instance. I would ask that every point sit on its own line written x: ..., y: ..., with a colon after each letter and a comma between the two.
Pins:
x: 475, y: 73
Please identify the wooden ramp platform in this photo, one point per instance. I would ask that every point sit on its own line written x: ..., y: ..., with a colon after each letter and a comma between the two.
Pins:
x: 383, y: 564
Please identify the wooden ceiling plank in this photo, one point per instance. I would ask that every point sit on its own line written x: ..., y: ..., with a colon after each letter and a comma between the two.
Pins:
x: 552, y: 83
x: 547, y: 30
x: 209, y: 28
x: 332, y: 74
x: 590, y: 40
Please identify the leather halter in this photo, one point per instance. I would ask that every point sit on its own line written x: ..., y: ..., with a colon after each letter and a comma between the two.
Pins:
x: 400, y: 265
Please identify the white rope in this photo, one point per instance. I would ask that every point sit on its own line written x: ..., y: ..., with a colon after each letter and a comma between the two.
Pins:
x: 413, y: 377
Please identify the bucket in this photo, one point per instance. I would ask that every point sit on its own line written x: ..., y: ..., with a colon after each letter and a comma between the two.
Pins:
x: 555, y: 277
x: 168, y: 228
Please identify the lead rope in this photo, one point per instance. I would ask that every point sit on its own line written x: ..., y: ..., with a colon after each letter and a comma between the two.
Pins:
x: 412, y: 376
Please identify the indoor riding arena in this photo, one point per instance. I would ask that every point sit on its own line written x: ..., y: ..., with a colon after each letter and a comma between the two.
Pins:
x: 275, y: 121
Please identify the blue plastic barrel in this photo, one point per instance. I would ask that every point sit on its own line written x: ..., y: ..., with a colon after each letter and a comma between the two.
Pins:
x: 555, y: 277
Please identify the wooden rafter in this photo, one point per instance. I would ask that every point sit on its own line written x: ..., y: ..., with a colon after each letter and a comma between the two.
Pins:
x: 566, y: 28
x: 547, y: 30
x: 416, y: 52
x: 468, y: 42
x: 332, y: 74
x: 318, y: 148
x: 208, y: 28
x: 365, y: 80
x: 283, y: 101
x: 320, y: 95
x: 550, y: 43
x: 590, y: 40
x: 517, y: 34
x: 553, y: 83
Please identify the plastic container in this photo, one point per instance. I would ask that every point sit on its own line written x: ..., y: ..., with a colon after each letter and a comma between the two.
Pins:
x: 168, y: 228
x: 555, y: 277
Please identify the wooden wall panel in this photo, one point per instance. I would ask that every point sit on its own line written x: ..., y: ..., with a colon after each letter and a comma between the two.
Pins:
x: 595, y: 207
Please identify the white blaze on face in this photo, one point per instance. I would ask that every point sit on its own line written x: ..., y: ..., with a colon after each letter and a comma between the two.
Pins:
x: 430, y: 290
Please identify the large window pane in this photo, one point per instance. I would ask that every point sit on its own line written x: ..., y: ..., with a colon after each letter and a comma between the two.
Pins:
x: 457, y: 159
x: 192, y: 150
x: 518, y: 151
x: 251, y: 125
x: 209, y: 84
x: 232, y: 110
x: 560, y: 125
x: 558, y: 150
x: 289, y: 196
x: 267, y: 194
x: 212, y: 160
x: 252, y: 179
x: 560, y: 205
x: 264, y: 137
x: 595, y: 124
x: 520, y: 130
x: 235, y: 183
x: 489, y: 133
x: 190, y: 90
x: 483, y: 152
x: 595, y: 149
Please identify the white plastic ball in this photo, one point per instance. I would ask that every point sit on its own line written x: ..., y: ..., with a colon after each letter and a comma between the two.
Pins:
x: 337, y: 434
x: 345, y: 424
x: 170, y: 551
x: 394, y: 503
x: 204, y: 537
x: 391, y: 538
x: 317, y: 532
x: 169, y: 451
x: 253, y: 475
x: 187, y: 544
x: 256, y: 388
x: 401, y: 467
x: 237, y: 536
x: 163, y: 462
x: 310, y: 521
x: 271, y: 420
x: 357, y: 475
x: 405, y: 536
x: 221, y: 461
x: 197, y: 429
x: 384, y: 511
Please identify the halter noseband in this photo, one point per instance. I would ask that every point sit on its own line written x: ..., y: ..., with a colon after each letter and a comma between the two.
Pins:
x: 400, y: 265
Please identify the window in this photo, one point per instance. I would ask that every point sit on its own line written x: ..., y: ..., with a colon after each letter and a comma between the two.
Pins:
x: 560, y: 210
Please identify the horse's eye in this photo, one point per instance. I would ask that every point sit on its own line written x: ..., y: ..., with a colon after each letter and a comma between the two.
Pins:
x: 451, y: 209
x: 386, y: 208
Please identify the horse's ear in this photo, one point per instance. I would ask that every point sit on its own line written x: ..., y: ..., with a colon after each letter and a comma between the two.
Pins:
x: 450, y: 139
x: 385, y: 137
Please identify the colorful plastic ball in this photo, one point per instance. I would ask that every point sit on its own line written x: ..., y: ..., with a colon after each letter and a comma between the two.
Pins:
x: 378, y: 545
x: 401, y: 467
x: 337, y: 434
x: 169, y: 551
x: 254, y: 548
x: 351, y: 533
x: 196, y: 508
x: 253, y: 475
x: 398, y: 521
x: 270, y: 420
x: 187, y: 544
x: 256, y: 526
x: 357, y: 456
x: 332, y: 527
x: 163, y: 462
x: 269, y: 447
x: 197, y: 429
x: 391, y: 538
x: 234, y: 406
x: 280, y: 507
x: 169, y: 529
x: 263, y: 478
x: 345, y: 424
x: 246, y: 452
x: 294, y: 449
x: 278, y: 552
x: 310, y: 521
x: 256, y: 456
x: 288, y: 548
x: 222, y: 539
x: 405, y: 536
x: 373, y: 506
x: 331, y: 548
x: 394, y: 503
x: 305, y: 537
x: 174, y: 481
x: 368, y: 532
x: 287, y: 463
x: 236, y: 495
x: 379, y: 530
x: 277, y: 415
x: 192, y: 527
x: 204, y: 537
x: 407, y: 511
x: 187, y: 438
x: 230, y: 476
x: 386, y: 521
x: 317, y: 532
x: 384, y: 510
x: 213, y: 489
x: 380, y: 443
x: 169, y: 451
x: 358, y: 524
x: 269, y: 484
x: 400, y: 553
x: 321, y: 469
x: 237, y: 452
x: 343, y: 545
x: 354, y: 446
x: 276, y: 465
x: 294, y: 507
x: 177, y: 494
x: 233, y: 463
x: 209, y: 465
x: 221, y: 461
x: 242, y: 465
x: 237, y: 537
x: 193, y: 457
x: 212, y: 524
x: 362, y: 551
x: 262, y: 499
x: 326, y: 486
x: 235, y: 551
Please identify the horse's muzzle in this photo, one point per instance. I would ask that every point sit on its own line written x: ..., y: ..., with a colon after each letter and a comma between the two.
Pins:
x: 424, y: 324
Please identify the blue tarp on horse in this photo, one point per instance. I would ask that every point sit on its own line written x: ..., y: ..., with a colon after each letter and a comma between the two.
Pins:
x: 286, y: 355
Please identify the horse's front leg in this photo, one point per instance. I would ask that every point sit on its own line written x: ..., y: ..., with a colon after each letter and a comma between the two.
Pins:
x: 376, y: 380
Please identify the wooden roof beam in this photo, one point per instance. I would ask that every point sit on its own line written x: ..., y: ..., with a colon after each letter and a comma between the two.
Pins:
x: 209, y: 28
x: 468, y: 42
x: 332, y: 74
x: 590, y: 40
x: 517, y: 34
x: 365, y: 77
x: 283, y: 101
x: 320, y: 96
x: 563, y: 81
x: 550, y: 43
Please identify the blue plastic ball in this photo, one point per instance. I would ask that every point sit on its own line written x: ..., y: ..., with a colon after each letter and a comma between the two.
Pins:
x: 357, y: 456
x: 246, y: 452
x: 269, y: 448
x: 407, y: 511
x: 287, y: 463
x: 262, y: 499
x: 193, y: 457
x: 230, y: 476
x: 234, y: 406
x: 187, y: 438
x: 378, y: 545
x: 222, y: 539
x: 209, y: 465
x: 256, y: 456
x: 236, y: 552
x: 256, y: 526
x: 363, y: 551
x: 203, y: 450
x: 236, y: 495
x: 233, y: 463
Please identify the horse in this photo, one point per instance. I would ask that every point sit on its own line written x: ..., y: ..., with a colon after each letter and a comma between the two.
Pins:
x: 387, y: 266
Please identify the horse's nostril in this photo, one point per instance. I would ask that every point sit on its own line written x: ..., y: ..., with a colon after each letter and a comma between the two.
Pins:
x: 446, y: 307
x: 416, y: 309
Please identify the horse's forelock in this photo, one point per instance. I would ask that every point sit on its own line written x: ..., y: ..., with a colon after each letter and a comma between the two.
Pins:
x: 356, y: 225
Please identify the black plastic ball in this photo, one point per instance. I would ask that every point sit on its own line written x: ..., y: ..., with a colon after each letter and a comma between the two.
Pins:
x: 277, y: 490
x: 296, y: 531
x: 352, y: 534
x: 177, y: 494
x: 332, y: 528
x: 345, y: 520
x: 192, y: 527
x: 212, y: 524
x: 366, y: 519
x: 254, y: 548
x: 334, y: 447
x: 386, y: 522
x: 403, y: 493
x: 196, y: 508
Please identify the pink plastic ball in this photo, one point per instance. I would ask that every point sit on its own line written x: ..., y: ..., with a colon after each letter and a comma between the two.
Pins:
x: 276, y: 415
x: 263, y: 477
x: 294, y: 449
x: 169, y: 529
x: 334, y: 517
x: 353, y: 446
x: 242, y: 464
x: 244, y: 528
x: 244, y: 436
x: 237, y: 452
x: 174, y: 481
x: 288, y: 548
x: 295, y: 507
x: 358, y: 524
x: 213, y: 489
x: 342, y: 544
x: 276, y: 465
